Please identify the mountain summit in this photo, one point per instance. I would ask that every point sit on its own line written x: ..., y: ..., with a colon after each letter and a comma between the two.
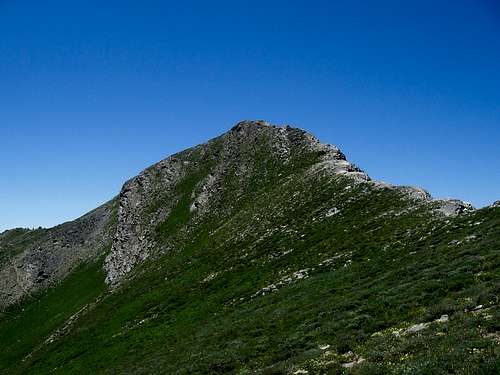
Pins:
x: 262, y: 251
x: 251, y: 153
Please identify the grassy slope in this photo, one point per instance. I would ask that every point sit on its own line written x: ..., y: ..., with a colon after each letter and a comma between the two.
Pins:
x: 194, y: 310
x: 24, y: 327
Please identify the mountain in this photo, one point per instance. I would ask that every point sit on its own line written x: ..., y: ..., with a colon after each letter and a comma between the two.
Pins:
x: 262, y: 251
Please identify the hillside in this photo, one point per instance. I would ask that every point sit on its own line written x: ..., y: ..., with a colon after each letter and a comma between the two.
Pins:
x: 262, y: 251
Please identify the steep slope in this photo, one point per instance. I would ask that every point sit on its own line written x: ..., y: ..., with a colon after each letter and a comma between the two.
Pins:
x: 186, y: 189
x: 265, y: 251
x: 31, y: 260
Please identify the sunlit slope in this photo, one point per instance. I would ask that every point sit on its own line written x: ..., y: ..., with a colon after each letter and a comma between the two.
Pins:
x: 271, y: 262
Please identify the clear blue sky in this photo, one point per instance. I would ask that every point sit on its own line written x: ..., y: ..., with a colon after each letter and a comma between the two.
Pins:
x: 91, y: 92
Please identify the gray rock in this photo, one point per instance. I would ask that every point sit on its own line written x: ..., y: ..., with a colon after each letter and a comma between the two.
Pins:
x: 133, y: 240
x: 353, y: 363
x: 233, y: 152
x: 129, y: 224
x: 332, y: 211
x: 417, y: 328
x: 443, y: 319
x: 54, y: 254
x: 454, y: 207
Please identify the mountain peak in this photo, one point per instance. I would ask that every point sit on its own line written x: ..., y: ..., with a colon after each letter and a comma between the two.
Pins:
x: 215, y: 175
x: 261, y: 240
x: 245, y: 124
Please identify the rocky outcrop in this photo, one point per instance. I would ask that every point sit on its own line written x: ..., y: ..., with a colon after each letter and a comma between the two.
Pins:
x: 227, y: 244
x: 333, y: 161
x: 129, y: 224
x: 443, y: 207
x: 148, y: 199
x: 50, y: 256
x: 133, y: 240
x: 453, y: 207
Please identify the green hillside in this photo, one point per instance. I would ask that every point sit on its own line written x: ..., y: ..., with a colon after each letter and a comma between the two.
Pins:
x: 289, y: 268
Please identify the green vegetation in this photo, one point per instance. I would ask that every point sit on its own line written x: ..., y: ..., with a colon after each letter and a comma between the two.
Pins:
x: 25, y: 327
x: 180, y: 214
x: 289, y: 270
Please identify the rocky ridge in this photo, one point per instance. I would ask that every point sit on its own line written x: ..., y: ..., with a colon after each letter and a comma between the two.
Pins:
x: 134, y: 241
x: 261, y: 251
x: 51, y: 254
x: 232, y: 151
x: 126, y: 224
x: 131, y: 236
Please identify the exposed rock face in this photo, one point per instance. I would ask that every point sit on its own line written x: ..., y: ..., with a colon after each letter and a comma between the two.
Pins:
x: 414, y: 193
x: 233, y: 153
x: 333, y: 160
x: 454, y: 207
x: 52, y: 255
x: 443, y: 207
x: 130, y: 224
x: 218, y: 251
x: 132, y: 241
